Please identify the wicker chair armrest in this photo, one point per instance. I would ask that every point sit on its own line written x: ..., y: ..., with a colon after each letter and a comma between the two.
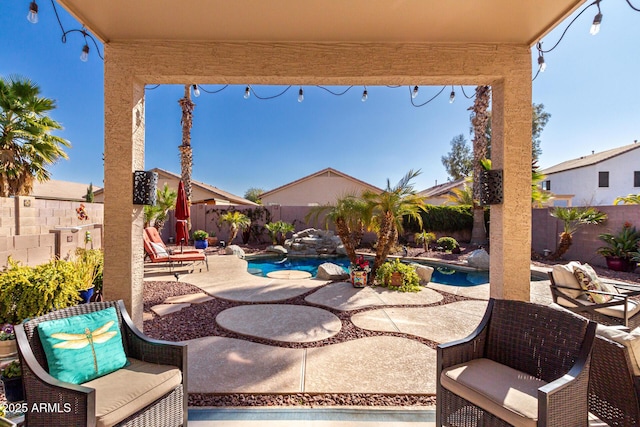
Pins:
x: 42, y: 388
x: 564, y: 401
x: 141, y: 347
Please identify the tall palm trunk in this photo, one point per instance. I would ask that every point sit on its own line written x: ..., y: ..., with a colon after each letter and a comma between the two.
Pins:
x: 563, y: 246
x: 479, y: 122
x: 386, y: 237
x: 186, y: 154
x: 347, y: 238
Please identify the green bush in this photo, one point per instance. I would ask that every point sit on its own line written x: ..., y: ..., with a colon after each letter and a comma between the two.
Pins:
x: 410, y: 279
x: 27, y: 292
x: 200, y: 235
x: 448, y: 243
x: 443, y: 218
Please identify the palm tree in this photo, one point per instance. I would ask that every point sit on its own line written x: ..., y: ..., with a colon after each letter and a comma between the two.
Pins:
x: 349, y: 215
x: 538, y: 196
x: 278, y: 231
x: 27, y: 147
x: 157, y: 214
x: 630, y: 199
x: 462, y: 196
x: 479, y: 121
x: 573, y: 219
x: 386, y: 212
x: 425, y: 237
x: 236, y: 221
x: 186, y: 153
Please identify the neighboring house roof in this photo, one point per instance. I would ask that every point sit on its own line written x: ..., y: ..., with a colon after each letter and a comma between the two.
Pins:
x: 215, y: 192
x: 320, y: 173
x: 61, y: 190
x: 441, y: 189
x: 589, y: 160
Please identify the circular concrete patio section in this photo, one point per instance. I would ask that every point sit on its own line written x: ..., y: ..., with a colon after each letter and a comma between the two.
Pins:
x: 285, y: 323
x: 289, y: 274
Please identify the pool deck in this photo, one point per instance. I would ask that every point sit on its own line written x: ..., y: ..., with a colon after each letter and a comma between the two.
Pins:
x: 386, y: 364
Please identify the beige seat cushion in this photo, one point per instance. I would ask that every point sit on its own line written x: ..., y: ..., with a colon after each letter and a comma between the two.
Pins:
x: 126, y: 391
x: 613, y: 311
x: 563, y: 276
x: 630, y: 340
x: 505, y: 392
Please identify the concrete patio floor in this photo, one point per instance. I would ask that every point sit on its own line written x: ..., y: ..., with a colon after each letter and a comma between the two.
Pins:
x: 379, y: 364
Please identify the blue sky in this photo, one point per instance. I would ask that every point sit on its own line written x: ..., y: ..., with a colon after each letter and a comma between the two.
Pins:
x: 590, y: 87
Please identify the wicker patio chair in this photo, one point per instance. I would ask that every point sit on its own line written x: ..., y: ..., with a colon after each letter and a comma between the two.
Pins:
x: 614, y: 384
x: 621, y: 310
x: 525, y: 365
x: 116, y: 395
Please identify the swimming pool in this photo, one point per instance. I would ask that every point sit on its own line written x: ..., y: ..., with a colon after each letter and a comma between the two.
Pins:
x: 443, y: 275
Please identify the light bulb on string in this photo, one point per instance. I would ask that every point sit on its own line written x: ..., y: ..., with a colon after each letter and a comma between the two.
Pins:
x: 84, y: 56
x: 300, y: 95
x: 595, y: 27
x: 365, y: 95
x: 541, y: 64
x: 32, y: 16
x: 415, y: 92
x: 452, y: 97
x: 247, y: 92
x: 196, y: 91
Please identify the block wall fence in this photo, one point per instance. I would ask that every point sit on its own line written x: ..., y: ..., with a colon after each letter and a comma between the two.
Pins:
x: 33, y: 231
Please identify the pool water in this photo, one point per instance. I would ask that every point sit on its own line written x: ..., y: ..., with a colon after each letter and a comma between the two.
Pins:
x: 442, y: 275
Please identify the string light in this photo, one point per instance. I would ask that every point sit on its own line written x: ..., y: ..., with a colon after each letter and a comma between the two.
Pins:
x: 541, y: 64
x: 595, y: 27
x: 32, y: 16
x: 196, y: 91
x: 452, y: 97
x: 247, y: 92
x: 414, y: 93
x: 84, y: 56
x: 365, y: 95
x: 300, y: 95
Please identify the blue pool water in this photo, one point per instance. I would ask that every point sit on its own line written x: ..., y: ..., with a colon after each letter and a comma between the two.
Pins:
x: 443, y: 275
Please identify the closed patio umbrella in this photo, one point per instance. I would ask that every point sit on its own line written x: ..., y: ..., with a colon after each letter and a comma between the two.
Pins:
x: 182, y: 216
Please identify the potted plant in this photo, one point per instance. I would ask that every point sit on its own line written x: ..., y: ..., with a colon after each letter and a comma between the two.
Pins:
x: 399, y: 276
x: 7, y: 341
x: 359, y: 272
x: 12, y: 379
x: 200, y: 239
x: 89, y: 265
x: 620, y: 248
x: 212, y: 240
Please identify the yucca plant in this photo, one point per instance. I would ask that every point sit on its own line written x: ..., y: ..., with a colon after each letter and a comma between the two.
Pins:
x: 622, y: 244
x: 573, y: 219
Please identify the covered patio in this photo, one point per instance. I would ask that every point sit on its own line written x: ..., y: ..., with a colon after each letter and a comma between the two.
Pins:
x: 411, y: 42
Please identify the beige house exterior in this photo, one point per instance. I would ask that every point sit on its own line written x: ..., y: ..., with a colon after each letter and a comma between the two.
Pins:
x: 437, y: 195
x: 61, y: 190
x: 201, y: 193
x: 320, y: 188
x: 318, y: 42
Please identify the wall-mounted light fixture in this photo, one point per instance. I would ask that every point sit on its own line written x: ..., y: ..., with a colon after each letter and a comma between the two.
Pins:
x: 144, y: 187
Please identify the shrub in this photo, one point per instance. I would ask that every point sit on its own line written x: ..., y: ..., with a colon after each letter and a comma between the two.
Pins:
x: 410, y: 279
x: 27, y: 292
x: 443, y: 218
x: 200, y: 235
x: 89, y: 264
x: 448, y: 243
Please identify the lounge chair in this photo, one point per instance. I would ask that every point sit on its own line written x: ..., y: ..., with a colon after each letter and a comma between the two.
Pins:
x: 525, y: 365
x: 613, y: 307
x: 150, y: 391
x: 154, y: 237
x: 158, y: 253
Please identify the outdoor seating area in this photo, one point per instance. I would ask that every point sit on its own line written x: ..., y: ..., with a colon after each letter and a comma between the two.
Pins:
x: 157, y: 251
x: 150, y: 388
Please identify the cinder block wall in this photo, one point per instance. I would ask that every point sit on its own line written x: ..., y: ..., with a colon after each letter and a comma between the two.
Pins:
x: 31, y: 230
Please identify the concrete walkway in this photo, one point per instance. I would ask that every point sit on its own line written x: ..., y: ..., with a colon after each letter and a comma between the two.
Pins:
x: 379, y: 364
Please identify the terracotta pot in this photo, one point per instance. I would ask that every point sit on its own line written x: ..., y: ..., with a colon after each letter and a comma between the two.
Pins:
x: 396, y: 279
x: 8, y: 348
x: 212, y: 241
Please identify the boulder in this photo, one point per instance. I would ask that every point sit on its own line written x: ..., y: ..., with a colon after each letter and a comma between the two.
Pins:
x: 340, y: 250
x: 278, y: 249
x: 234, y: 250
x: 479, y: 259
x: 424, y: 272
x: 330, y: 271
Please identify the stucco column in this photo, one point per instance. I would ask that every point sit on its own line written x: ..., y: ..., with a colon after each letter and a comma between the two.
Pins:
x: 510, y: 228
x: 124, y: 153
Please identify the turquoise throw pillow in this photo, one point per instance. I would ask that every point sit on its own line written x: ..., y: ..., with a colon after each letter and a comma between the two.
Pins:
x: 84, y: 347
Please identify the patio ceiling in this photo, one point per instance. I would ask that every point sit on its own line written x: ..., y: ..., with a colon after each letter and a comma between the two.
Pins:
x: 420, y: 21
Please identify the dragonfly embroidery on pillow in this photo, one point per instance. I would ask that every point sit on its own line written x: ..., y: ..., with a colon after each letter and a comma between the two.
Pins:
x: 78, y: 341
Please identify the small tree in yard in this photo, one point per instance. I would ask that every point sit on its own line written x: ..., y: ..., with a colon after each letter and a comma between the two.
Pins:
x: 424, y: 238
x: 236, y: 221
x: 278, y: 231
x: 573, y: 219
